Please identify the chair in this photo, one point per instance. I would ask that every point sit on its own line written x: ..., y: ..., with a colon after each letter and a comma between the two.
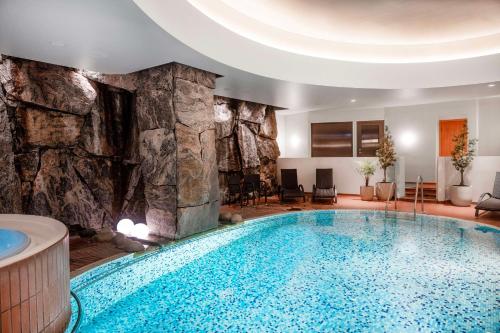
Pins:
x: 324, y: 187
x: 290, y: 189
x: 493, y: 202
x: 254, y: 186
x: 234, y: 187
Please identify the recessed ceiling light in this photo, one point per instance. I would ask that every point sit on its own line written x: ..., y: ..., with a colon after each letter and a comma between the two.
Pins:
x: 57, y: 43
x: 491, y: 85
x: 353, y: 100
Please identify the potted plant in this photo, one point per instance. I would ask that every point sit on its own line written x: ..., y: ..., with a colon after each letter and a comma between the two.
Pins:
x: 366, y: 169
x: 461, y: 157
x: 386, y: 157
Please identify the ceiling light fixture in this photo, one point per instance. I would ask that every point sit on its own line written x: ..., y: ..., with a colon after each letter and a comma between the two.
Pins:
x: 353, y: 100
x: 491, y: 85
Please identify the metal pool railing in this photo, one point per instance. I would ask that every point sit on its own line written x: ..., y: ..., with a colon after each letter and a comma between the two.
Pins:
x: 79, y: 313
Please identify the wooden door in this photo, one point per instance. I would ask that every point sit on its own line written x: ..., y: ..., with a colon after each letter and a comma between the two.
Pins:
x: 448, y: 129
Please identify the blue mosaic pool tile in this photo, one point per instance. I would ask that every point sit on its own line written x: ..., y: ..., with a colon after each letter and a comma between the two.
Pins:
x: 319, y: 271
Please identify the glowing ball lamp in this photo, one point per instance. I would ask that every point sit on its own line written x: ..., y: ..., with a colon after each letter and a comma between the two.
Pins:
x: 125, y: 226
x: 140, y: 231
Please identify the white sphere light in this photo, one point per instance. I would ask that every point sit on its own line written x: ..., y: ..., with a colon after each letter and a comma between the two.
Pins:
x: 140, y: 231
x: 125, y: 226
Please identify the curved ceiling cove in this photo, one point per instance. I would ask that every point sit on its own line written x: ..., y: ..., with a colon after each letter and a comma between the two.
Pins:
x: 362, y: 44
x: 391, y: 31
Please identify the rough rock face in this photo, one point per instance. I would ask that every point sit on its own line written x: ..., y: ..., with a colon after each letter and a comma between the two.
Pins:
x: 97, y: 175
x: 157, y: 151
x: 48, y: 128
x: 209, y: 158
x: 246, y: 140
x: 10, y: 199
x: 127, y: 82
x: 228, y: 155
x: 267, y: 149
x: 161, y: 209
x: 224, y: 118
x: 114, y: 107
x: 269, y: 129
x: 191, y: 104
x: 192, y: 187
x: 50, y: 86
x: 248, y: 147
x: 27, y: 164
x: 77, y: 205
x: 89, y: 148
x: 251, y: 112
x: 192, y: 219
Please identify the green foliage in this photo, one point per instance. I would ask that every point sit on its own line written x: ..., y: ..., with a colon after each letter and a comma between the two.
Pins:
x: 366, y: 169
x: 463, y: 152
x: 386, y: 153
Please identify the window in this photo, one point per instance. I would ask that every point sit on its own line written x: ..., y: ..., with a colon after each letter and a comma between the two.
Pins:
x: 370, y: 134
x: 331, y: 139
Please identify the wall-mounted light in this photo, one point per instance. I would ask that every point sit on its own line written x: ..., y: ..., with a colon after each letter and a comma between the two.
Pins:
x: 295, y: 140
x: 491, y: 85
x: 353, y: 100
x: 408, y: 139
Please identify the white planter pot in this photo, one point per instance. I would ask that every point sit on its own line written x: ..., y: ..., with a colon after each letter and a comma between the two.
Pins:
x: 366, y: 193
x: 461, y: 195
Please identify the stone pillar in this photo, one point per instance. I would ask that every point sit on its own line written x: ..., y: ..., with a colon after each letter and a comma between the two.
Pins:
x: 197, y: 174
x: 177, y: 147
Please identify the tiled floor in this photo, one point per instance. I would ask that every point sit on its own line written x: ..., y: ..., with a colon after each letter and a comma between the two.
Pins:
x: 354, y: 202
x: 83, y: 253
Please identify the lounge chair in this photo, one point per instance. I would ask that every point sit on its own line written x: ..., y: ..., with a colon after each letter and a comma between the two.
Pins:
x: 234, y: 189
x: 492, y: 203
x: 290, y: 189
x: 252, y: 185
x: 324, y: 187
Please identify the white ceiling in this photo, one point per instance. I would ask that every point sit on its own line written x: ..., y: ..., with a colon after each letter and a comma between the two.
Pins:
x: 115, y: 36
x: 374, y: 31
x: 388, y: 22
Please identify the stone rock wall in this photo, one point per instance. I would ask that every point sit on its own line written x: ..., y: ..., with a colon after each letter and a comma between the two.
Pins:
x: 245, y: 141
x: 89, y: 148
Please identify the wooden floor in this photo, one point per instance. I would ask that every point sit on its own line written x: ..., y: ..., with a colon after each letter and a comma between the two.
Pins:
x: 84, y: 252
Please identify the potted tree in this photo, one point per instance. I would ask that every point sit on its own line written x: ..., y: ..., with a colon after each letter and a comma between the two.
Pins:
x: 366, y: 169
x: 461, y: 157
x: 386, y: 157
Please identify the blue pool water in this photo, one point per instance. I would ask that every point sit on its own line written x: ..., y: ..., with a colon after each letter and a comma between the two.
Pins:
x: 322, y: 271
x: 12, y: 242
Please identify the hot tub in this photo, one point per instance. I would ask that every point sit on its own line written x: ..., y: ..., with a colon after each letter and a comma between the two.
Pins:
x: 34, y: 274
x: 12, y: 242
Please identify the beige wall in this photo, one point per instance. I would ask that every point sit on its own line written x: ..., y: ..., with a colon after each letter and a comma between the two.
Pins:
x: 419, y: 121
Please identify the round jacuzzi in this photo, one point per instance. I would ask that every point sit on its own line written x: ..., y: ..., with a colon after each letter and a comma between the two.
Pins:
x: 34, y: 274
x: 318, y: 271
x: 12, y: 242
